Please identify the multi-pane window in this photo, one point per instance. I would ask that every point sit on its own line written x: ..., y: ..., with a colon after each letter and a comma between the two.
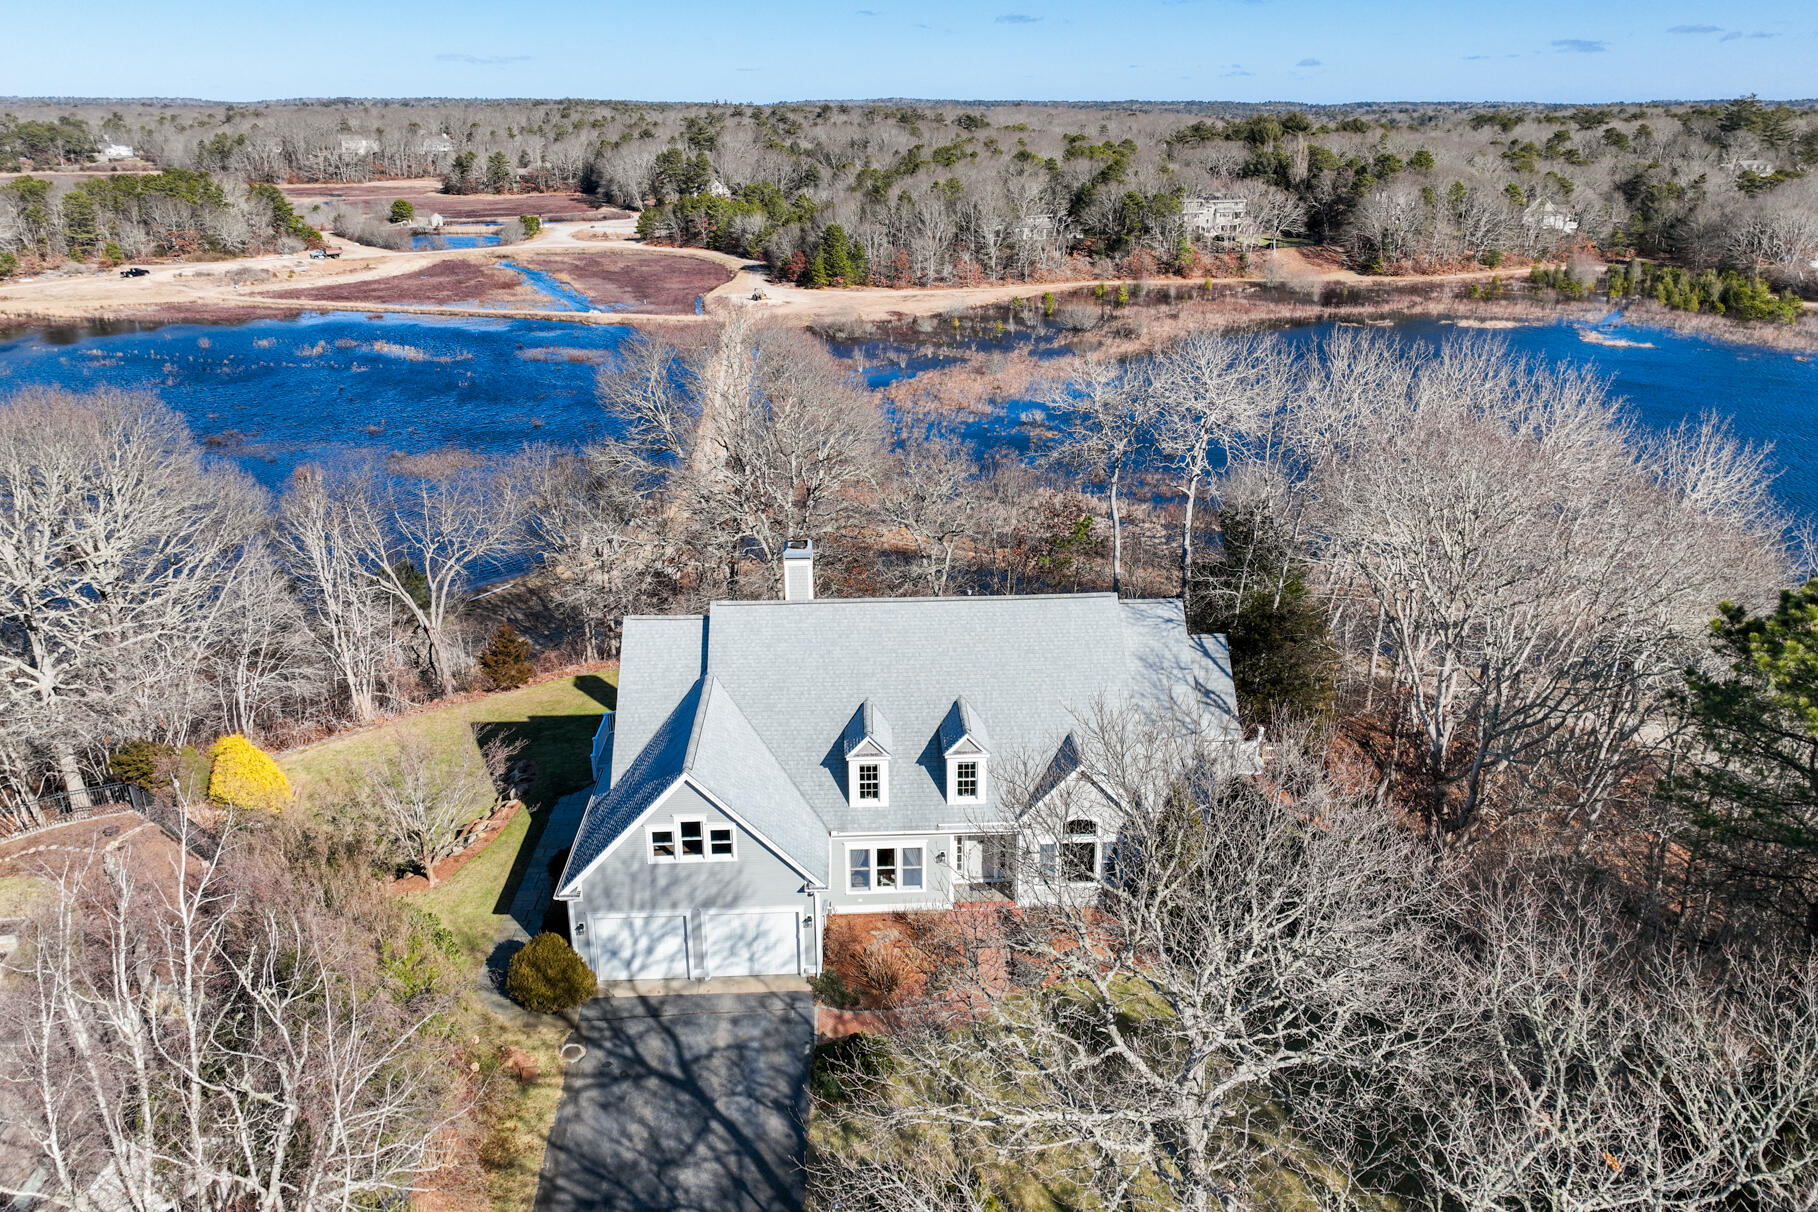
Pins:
x: 691, y: 841
x: 1079, y: 852
x: 965, y: 776
x: 870, y: 785
x: 886, y: 867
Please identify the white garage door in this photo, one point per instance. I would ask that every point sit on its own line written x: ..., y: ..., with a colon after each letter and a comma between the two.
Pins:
x: 640, y: 948
x: 765, y: 942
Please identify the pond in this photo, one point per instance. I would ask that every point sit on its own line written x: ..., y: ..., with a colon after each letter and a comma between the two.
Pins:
x: 276, y: 393
x: 435, y: 241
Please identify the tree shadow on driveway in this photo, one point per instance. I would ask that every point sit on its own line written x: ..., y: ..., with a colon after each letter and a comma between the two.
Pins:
x: 684, y: 1103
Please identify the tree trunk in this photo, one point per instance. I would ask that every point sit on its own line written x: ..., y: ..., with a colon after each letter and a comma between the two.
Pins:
x: 72, y: 778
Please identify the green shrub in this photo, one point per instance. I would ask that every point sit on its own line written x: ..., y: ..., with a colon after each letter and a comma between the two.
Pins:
x: 142, y: 763
x: 549, y: 976
x: 506, y: 658
x: 8, y: 263
x: 403, y: 211
x: 842, y: 1067
x: 831, y: 989
x: 532, y: 224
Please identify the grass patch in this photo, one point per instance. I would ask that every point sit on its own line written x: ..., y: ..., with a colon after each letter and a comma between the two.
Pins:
x: 555, y: 720
x: 472, y: 903
x: 19, y: 894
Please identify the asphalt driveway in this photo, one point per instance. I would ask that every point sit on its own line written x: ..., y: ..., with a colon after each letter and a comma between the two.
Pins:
x: 684, y: 1103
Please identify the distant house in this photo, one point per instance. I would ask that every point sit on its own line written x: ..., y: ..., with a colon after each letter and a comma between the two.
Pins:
x: 771, y: 763
x: 1545, y: 216
x: 1761, y: 168
x: 1038, y: 227
x: 1213, y: 218
x: 358, y: 145
x: 435, y: 145
x: 115, y: 151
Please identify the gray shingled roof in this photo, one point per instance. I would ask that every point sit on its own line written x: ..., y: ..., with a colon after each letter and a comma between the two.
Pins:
x: 788, y: 681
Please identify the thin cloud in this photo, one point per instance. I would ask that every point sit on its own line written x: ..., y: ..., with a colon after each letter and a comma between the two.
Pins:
x: 1579, y: 46
x: 866, y: 12
x: 1731, y: 36
x: 1017, y: 19
x: 1309, y: 63
x: 1694, y: 29
x: 1235, y: 71
x: 482, y: 60
x: 1475, y: 58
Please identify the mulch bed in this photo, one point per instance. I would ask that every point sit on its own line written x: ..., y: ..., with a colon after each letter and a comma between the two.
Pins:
x: 495, y: 825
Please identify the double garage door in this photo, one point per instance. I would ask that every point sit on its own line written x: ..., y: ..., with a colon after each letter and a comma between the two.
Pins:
x: 757, y: 942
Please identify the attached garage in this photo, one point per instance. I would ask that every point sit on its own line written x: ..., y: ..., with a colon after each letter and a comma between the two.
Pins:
x: 639, y: 947
x: 753, y: 942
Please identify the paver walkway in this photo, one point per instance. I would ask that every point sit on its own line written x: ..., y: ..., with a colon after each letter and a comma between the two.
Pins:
x: 537, y: 886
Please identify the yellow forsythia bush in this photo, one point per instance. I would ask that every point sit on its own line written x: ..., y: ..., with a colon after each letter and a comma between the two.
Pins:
x: 245, y: 776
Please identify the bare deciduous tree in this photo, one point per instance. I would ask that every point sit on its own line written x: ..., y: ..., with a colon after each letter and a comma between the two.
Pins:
x: 177, y: 1042
x: 119, y: 545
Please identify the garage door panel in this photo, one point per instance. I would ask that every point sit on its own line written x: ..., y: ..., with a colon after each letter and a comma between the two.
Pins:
x: 763, y: 943
x: 649, y: 947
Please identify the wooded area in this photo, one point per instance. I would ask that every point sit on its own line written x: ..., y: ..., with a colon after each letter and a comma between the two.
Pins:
x: 924, y: 193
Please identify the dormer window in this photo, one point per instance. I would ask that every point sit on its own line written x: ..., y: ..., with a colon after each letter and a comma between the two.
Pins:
x: 963, y: 744
x: 867, y: 748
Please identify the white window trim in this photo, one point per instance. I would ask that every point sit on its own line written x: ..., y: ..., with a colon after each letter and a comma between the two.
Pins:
x: 1058, y: 872
x: 872, y: 847
x: 673, y: 827
x: 883, y: 781
x: 984, y: 789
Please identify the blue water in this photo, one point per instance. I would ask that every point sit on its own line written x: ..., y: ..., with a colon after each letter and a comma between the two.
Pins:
x: 276, y: 393
x: 554, y: 289
x: 437, y: 242
x: 273, y: 394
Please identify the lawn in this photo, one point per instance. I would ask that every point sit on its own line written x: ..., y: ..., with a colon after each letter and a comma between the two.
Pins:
x: 555, y: 720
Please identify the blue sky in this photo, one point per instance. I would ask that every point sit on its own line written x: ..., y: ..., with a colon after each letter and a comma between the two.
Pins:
x: 696, y: 50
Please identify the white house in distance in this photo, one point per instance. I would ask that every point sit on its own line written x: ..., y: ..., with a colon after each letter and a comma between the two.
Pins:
x: 1548, y: 217
x: 774, y: 762
x: 114, y: 151
x: 1213, y: 218
x: 358, y: 145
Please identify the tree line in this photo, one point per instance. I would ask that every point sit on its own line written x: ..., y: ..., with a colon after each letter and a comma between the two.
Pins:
x: 937, y: 193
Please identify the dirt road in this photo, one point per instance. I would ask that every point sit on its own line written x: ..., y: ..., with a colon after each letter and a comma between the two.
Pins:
x: 277, y: 285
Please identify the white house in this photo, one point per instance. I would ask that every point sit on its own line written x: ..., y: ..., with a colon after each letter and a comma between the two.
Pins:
x: 771, y: 763
x: 358, y: 145
x: 435, y: 145
x: 1548, y: 217
x: 115, y: 151
x: 1213, y: 218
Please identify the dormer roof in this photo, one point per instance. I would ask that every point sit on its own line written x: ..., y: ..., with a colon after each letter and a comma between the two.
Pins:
x: 962, y: 732
x: 867, y: 733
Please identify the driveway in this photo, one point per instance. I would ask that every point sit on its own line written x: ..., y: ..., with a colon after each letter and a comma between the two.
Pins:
x: 684, y: 1103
